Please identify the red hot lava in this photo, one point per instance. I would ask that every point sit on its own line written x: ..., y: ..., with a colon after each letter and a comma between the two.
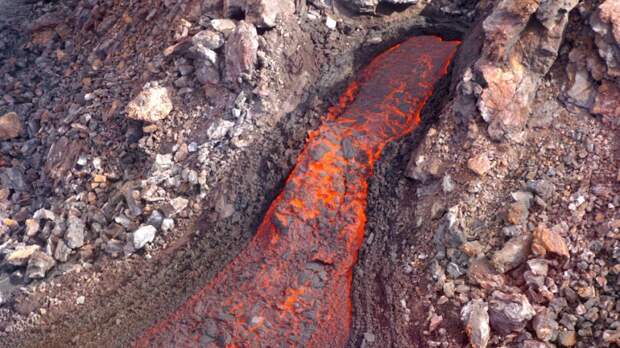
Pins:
x: 291, y: 285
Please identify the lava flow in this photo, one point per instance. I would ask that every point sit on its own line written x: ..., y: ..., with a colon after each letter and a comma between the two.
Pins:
x: 291, y: 285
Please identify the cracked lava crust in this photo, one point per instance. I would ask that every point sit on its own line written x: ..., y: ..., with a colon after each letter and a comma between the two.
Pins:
x: 291, y: 285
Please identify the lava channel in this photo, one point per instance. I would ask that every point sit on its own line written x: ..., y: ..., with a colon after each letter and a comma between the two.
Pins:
x: 291, y: 285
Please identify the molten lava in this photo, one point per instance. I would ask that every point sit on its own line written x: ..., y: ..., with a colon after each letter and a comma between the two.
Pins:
x: 291, y: 285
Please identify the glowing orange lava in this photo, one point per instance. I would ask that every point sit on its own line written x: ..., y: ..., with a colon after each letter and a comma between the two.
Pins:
x: 291, y: 285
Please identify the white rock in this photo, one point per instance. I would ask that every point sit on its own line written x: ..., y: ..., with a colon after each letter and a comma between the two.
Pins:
x: 331, y: 23
x: 143, y: 235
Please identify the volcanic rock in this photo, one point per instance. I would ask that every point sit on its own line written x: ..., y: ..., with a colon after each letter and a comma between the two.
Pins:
x: 545, y: 326
x: 62, y: 156
x: 476, y: 318
x: 150, y: 105
x: 546, y: 240
x: 482, y: 273
x: 32, y: 227
x: 567, y: 338
x: 13, y: 178
x: 10, y: 126
x: 39, y: 264
x: 263, y: 13
x: 241, y: 52
x: 509, y: 312
x: 479, y: 164
x: 143, y: 235
x: 62, y: 251
x: 224, y: 26
x: 74, y: 236
x: 605, y: 23
x: 517, y: 213
x: 513, y: 253
x: 21, y: 255
x: 518, y: 51
x: 209, y: 39
x: 607, y: 100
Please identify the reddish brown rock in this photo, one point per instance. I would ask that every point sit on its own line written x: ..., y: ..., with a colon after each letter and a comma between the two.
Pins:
x: 513, y: 253
x: 479, y: 164
x: 546, y: 240
x: 607, y: 101
x: 482, y: 273
x: 241, y: 52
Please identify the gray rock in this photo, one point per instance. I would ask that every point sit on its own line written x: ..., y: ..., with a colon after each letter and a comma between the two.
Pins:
x: 143, y: 235
x: 39, y: 264
x: 476, y: 318
x: 62, y: 251
x: 509, y: 312
x: 13, y: 178
x: 210, y: 39
x: 544, y: 188
x: 219, y: 129
x: 513, y: 253
x: 44, y: 214
x: 155, y: 219
x: 74, y: 235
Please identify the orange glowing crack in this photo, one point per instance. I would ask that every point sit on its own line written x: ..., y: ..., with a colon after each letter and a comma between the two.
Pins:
x: 291, y: 286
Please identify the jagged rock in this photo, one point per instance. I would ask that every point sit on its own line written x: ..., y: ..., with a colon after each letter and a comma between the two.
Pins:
x: 209, y: 39
x: 546, y: 240
x: 62, y: 156
x: 44, y: 214
x: 517, y: 53
x: 39, y: 264
x: 567, y: 338
x: 479, y: 164
x: 62, y: 251
x: 21, y: 255
x: 422, y: 168
x: 451, y: 232
x: 580, y: 86
x: 150, y: 105
x: 481, y: 272
x: 476, y: 318
x: 263, y: 13
x: 545, y: 326
x: 509, y: 312
x: 544, y: 188
x: 517, y: 213
x: 74, y: 236
x: 13, y: 178
x: 10, y: 126
x: 32, y: 227
x: 143, y: 235
x: 241, y: 52
x: 605, y: 23
x: 607, y: 100
x: 513, y: 253
x: 224, y: 26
